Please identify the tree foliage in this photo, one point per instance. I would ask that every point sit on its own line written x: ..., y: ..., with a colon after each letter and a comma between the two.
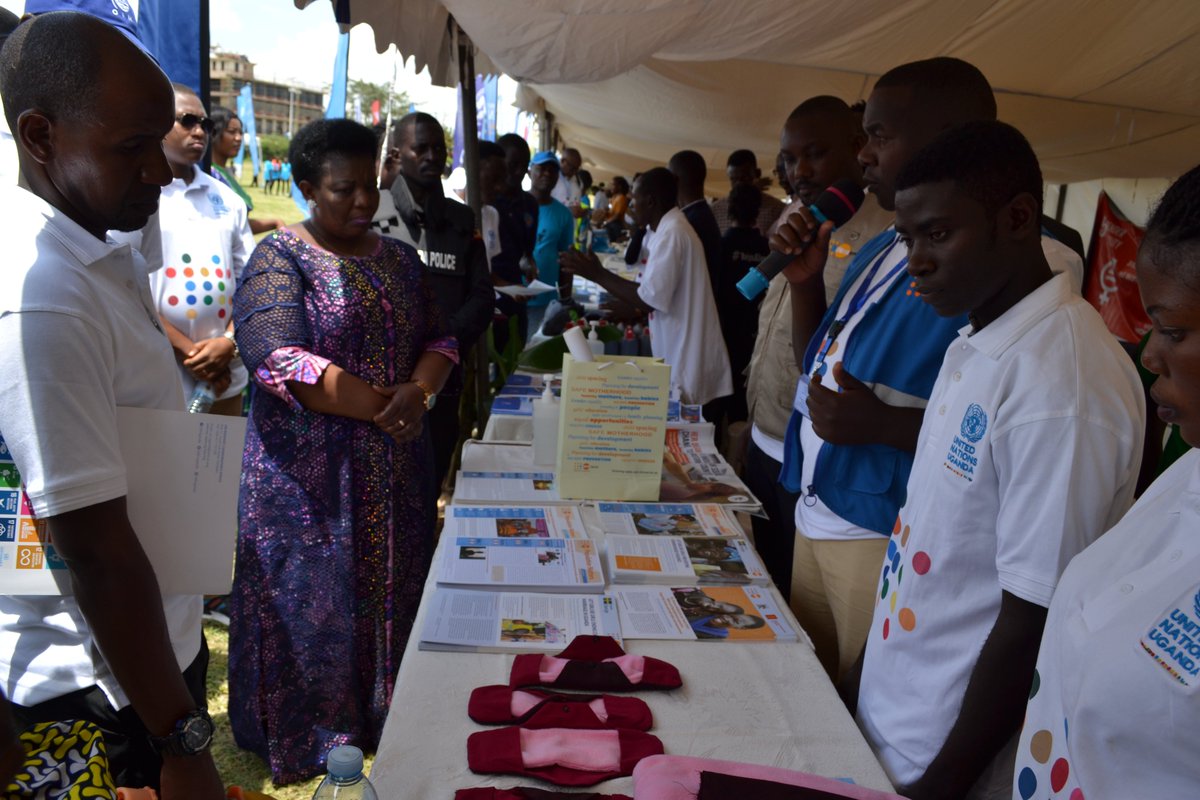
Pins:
x: 369, y: 92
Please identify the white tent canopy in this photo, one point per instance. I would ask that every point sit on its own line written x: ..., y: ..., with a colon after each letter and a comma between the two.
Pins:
x: 1102, y: 88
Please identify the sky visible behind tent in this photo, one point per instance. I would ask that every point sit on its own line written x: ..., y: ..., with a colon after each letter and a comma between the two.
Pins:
x: 297, y: 47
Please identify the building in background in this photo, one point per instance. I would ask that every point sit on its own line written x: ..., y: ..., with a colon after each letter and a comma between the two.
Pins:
x: 279, y: 108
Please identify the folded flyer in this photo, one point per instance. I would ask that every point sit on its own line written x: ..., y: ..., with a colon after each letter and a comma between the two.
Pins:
x: 511, y: 622
x: 707, y: 613
x: 694, y: 471
x: 523, y: 565
x: 673, y: 560
x: 667, y: 519
x: 475, y: 486
x: 518, y: 522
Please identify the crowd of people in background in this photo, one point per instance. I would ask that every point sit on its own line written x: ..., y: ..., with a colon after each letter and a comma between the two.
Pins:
x: 940, y: 429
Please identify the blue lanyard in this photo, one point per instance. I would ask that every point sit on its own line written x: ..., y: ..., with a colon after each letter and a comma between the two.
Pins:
x: 865, y: 291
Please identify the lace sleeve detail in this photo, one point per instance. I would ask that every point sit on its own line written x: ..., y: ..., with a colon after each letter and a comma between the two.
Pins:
x: 268, y: 308
x: 289, y: 364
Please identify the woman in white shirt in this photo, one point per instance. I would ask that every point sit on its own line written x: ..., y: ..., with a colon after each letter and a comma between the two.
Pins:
x: 1114, y: 711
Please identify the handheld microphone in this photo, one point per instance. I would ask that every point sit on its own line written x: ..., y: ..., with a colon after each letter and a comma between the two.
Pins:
x: 838, y: 204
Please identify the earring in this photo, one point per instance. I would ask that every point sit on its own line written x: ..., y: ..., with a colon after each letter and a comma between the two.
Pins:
x: 312, y: 205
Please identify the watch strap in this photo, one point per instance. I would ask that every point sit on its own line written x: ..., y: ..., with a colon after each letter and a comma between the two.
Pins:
x: 175, y: 744
x: 426, y: 389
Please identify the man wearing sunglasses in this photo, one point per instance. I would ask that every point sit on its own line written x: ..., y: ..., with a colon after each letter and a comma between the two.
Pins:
x: 196, y: 246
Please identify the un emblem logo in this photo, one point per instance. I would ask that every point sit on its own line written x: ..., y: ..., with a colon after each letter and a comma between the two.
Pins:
x: 974, y: 423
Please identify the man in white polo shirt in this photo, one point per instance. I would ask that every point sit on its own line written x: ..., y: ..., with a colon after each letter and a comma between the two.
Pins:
x: 202, y: 244
x: 674, y: 290
x: 89, y: 111
x: 1029, y: 450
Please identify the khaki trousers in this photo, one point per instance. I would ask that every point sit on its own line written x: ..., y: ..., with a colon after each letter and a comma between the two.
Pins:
x: 834, y: 582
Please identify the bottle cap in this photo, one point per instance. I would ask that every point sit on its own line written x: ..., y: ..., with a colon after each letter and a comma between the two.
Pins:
x: 344, y: 761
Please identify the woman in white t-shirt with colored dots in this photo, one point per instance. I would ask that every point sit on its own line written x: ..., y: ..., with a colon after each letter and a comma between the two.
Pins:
x: 1115, y: 707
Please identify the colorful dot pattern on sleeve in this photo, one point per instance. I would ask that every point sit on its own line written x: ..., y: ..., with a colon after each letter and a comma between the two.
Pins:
x: 1043, y: 768
x: 890, y: 580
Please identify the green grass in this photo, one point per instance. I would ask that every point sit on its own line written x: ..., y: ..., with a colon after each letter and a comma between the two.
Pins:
x: 278, y: 206
x: 239, y: 767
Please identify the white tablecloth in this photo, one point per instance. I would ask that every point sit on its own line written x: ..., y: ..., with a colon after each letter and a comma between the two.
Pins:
x: 766, y: 704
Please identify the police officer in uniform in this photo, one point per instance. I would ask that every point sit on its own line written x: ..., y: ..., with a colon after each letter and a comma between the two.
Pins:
x: 445, y: 234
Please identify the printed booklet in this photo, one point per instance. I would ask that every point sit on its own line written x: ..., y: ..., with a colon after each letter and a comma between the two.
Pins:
x: 678, y: 560
x: 709, y: 613
x: 515, y: 522
x: 527, y: 486
x: 694, y: 471
x: 509, y: 622
x: 665, y: 519
x: 521, y: 565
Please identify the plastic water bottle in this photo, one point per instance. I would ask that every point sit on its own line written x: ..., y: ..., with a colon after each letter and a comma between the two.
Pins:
x: 545, y: 428
x: 613, y: 348
x: 594, y: 342
x: 202, y: 399
x: 629, y: 345
x: 345, y: 780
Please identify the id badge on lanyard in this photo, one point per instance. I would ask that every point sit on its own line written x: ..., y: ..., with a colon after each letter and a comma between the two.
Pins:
x: 866, y: 290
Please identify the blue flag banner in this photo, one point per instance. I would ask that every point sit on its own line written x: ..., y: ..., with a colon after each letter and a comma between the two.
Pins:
x: 456, y: 154
x: 486, y: 90
x: 337, y: 100
x: 171, y: 32
x: 245, y: 112
x: 485, y: 105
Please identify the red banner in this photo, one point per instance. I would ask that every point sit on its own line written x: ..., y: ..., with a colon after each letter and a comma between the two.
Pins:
x: 1111, y: 284
x: 374, y: 112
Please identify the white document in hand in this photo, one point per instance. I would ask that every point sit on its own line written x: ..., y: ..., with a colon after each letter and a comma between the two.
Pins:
x: 182, y: 471
x: 535, y: 288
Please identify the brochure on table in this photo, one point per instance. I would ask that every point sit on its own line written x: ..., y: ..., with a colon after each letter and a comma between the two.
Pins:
x: 521, y: 565
x: 182, y: 472
x: 693, y: 473
x: 683, y: 560
x: 547, y: 522
x: 515, y: 399
x: 612, y: 421
x: 513, y: 622
x: 664, y: 519
x: 741, y: 614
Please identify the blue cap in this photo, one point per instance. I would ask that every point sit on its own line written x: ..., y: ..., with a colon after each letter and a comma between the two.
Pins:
x: 344, y: 761
x: 545, y: 157
x: 118, y: 13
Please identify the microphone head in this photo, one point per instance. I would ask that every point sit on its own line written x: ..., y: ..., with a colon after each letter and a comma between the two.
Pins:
x: 839, y: 202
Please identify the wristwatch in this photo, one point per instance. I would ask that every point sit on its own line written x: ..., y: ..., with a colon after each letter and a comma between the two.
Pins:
x: 430, y: 394
x: 229, y: 335
x: 192, y: 735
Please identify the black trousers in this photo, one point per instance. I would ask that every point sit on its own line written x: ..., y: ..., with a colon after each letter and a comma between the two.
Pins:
x: 442, y: 420
x: 774, y: 538
x: 131, y: 759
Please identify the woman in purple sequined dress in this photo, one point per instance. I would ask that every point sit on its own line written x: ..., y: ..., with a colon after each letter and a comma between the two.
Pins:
x: 337, y: 510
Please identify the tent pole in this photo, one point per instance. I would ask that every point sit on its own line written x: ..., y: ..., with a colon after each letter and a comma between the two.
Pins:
x: 466, y: 82
x: 1062, y: 202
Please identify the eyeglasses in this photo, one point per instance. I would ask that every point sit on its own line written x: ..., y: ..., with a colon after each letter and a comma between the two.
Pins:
x: 189, y: 121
